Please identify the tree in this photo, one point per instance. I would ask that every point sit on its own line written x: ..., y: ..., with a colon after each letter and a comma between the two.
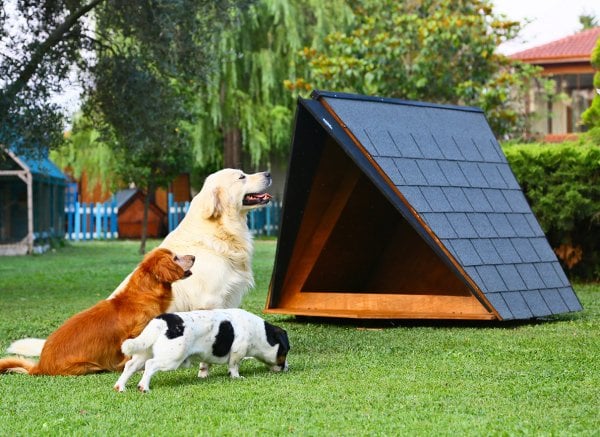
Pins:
x: 149, y: 146
x: 591, y: 116
x: 147, y: 57
x: 39, y: 43
x: 436, y: 50
x: 86, y: 149
x: 588, y: 21
x: 243, y: 104
x: 151, y: 59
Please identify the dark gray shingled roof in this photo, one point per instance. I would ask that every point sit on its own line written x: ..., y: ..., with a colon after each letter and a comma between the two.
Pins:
x: 449, y: 167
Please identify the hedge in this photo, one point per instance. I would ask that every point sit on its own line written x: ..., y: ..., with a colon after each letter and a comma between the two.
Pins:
x: 562, y: 184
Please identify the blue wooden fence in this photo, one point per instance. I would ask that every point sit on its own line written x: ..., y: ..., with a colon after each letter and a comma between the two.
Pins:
x: 98, y: 221
x: 262, y: 221
x: 89, y: 221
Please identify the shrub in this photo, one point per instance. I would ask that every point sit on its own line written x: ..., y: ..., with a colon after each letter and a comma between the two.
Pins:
x: 562, y: 184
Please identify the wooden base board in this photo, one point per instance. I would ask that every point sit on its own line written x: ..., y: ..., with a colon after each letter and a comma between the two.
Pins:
x: 382, y: 306
x: 389, y: 307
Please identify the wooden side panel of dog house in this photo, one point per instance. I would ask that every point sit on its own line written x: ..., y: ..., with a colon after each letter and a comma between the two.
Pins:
x: 356, y: 256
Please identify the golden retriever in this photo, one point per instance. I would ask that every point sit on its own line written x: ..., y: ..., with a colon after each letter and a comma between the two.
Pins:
x: 90, y: 341
x: 215, y: 231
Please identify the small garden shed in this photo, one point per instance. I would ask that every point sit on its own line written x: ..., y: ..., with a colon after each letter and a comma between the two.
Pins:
x: 398, y: 209
x: 32, y: 203
x: 130, y: 203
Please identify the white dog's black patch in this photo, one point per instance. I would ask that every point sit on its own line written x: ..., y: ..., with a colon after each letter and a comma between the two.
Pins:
x: 223, y: 340
x: 175, y: 325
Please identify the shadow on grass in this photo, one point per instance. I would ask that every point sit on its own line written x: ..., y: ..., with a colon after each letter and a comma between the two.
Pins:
x: 189, y: 377
x: 427, y: 323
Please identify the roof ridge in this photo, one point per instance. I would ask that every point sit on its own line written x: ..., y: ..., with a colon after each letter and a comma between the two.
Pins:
x: 549, y: 49
x: 319, y: 93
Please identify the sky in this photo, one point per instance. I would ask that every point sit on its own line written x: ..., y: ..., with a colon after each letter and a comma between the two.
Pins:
x: 548, y: 20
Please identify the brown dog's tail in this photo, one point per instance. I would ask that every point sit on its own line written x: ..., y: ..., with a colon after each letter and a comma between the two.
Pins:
x: 16, y: 365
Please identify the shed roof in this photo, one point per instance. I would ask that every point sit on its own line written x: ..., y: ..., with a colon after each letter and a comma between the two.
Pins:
x: 443, y: 170
x: 39, y: 165
x: 123, y: 196
x: 577, y: 47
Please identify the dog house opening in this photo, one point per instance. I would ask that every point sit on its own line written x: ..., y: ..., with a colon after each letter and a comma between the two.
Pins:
x: 356, y: 241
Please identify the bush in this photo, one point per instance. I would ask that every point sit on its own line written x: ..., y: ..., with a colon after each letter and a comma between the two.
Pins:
x: 562, y: 184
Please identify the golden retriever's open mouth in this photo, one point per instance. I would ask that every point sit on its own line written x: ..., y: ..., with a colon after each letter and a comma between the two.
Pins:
x: 187, y: 273
x: 256, y: 199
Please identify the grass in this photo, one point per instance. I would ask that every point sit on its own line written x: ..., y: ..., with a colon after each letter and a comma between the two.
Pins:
x: 401, y: 378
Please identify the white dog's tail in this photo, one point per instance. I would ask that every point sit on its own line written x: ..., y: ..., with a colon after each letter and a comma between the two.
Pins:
x: 27, y: 347
x: 146, y: 339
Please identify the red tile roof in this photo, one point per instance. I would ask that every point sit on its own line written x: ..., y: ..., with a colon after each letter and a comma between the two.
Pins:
x: 576, y: 47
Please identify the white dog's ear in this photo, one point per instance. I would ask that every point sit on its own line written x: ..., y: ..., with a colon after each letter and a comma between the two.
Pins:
x: 212, y: 206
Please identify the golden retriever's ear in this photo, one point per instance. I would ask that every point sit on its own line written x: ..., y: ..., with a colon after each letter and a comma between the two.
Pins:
x: 212, y: 206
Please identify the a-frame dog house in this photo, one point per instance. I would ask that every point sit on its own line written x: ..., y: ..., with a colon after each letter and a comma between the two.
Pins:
x: 397, y: 209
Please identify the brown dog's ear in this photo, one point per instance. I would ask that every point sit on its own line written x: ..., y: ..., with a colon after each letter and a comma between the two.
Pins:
x: 160, y: 264
x: 168, y: 271
x: 212, y: 206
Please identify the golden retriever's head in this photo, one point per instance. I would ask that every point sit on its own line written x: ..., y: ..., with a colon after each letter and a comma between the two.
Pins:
x: 165, y: 266
x: 232, y: 192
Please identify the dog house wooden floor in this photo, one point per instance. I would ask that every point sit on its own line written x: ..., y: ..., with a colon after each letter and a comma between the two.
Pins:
x: 349, y: 248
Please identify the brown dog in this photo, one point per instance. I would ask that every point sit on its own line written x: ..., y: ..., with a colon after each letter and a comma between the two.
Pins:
x: 90, y: 341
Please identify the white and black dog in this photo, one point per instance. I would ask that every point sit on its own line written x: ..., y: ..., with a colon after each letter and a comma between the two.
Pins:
x: 216, y: 336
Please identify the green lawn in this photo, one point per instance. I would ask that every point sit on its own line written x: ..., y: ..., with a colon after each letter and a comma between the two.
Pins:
x: 403, y: 378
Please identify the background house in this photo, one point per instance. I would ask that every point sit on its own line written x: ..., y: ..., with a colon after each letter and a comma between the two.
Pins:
x: 130, y: 204
x: 567, y: 61
x: 32, y: 203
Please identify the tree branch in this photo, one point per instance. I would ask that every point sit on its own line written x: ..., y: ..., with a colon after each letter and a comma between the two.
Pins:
x: 98, y: 43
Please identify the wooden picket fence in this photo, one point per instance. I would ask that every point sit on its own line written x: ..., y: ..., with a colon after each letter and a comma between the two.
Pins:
x: 91, y: 221
x: 262, y: 221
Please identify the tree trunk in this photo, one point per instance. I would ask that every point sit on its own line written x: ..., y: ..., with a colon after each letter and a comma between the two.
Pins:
x: 232, y: 148
x: 149, y: 191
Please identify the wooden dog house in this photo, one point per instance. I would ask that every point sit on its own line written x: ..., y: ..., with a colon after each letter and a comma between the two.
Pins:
x: 130, y: 204
x: 398, y: 209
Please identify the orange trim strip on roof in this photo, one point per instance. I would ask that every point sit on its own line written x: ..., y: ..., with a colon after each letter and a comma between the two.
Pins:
x: 557, y: 59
